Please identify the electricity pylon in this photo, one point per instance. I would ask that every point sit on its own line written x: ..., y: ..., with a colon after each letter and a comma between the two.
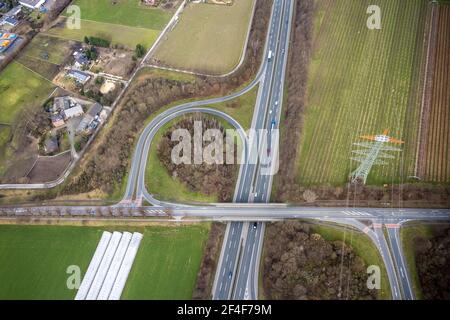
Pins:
x: 372, y: 154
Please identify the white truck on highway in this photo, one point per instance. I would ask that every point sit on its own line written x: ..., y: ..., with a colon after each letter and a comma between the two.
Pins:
x: 270, y: 55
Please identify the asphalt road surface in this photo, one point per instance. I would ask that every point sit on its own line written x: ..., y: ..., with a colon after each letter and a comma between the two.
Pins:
x: 242, y: 246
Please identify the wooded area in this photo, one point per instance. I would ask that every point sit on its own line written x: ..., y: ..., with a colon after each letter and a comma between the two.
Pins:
x: 299, y: 264
x: 205, y: 278
x: 206, y: 178
x: 433, y: 263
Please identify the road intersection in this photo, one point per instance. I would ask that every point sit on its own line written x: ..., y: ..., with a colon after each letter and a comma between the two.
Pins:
x: 237, y: 271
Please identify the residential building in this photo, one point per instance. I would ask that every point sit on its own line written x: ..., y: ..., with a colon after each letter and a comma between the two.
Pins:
x: 10, y: 21
x: 51, y: 145
x: 89, y: 117
x: 73, y: 112
x: 149, y: 2
x: 61, y: 104
x: 32, y: 4
x: 57, y: 120
x: 14, y: 12
x: 79, y: 76
x: 81, y: 60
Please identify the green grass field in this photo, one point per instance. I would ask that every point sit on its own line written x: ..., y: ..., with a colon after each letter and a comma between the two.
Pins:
x: 363, y: 247
x: 20, y: 88
x: 35, y: 260
x: 45, y: 54
x: 125, y: 22
x: 167, y: 263
x: 361, y: 82
x: 208, y: 38
x: 408, y: 234
x: 240, y: 108
x: 124, y: 12
x: 49, y: 49
x: 117, y: 34
x: 4, y: 134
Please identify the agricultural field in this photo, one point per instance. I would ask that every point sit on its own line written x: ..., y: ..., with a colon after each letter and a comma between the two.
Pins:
x: 167, y: 263
x: 213, y: 34
x: 434, y: 162
x: 124, y: 22
x: 45, y: 54
x: 362, y: 82
x: 49, y: 49
x: 124, y: 12
x: 38, y: 257
x: 19, y: 88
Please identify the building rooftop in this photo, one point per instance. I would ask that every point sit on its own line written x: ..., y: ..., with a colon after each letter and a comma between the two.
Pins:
x: 14, y: 11
x: 51, y: 145
x: 6, y: 40
x: 95, y: 109
x: 81, y: 58
x: 61, y: 103
x: 79, y: 76
x: 73, y: 112
x: 34, y: 4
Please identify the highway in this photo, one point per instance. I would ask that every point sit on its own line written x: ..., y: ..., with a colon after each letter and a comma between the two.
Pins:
x: 237, y: 271
x: 248, y: 274
x: 242, y: 243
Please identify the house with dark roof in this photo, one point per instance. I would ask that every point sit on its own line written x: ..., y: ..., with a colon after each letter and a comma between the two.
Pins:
x: 89, y: 117
x: 61, y: 104
x: 51, y: 145
x: 79, y: 76
x: 81, y: 60
x: 11, y: 21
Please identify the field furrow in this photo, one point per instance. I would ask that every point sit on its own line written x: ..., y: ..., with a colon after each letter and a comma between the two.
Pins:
x: 361, y: 82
